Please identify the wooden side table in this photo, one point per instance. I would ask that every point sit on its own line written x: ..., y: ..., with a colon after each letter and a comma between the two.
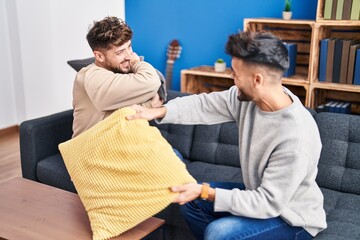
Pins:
x: 31, y: 210
x: 205, y: 79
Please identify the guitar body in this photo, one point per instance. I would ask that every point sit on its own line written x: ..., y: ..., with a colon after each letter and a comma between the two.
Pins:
x: 173, y: 53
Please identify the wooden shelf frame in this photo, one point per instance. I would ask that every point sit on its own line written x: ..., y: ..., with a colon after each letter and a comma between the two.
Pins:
x: 319, y: 30
x: 307, y: 34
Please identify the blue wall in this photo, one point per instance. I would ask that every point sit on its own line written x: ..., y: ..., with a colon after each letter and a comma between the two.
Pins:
x: 201, y: 26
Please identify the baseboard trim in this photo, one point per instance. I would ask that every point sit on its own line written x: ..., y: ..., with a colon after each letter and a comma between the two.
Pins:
x: 8, y: 130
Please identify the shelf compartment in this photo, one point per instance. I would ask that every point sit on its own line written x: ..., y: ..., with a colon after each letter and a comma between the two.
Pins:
x: 204, y: 79
x: 294, y: 31
x: 324, y: 95
x: 332, y: 29
x: 320, y: 15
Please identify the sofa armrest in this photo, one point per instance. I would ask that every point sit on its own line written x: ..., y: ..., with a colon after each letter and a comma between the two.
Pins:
x: 39, y: 138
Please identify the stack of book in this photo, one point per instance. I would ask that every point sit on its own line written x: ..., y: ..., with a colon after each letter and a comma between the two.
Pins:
x: 335, y: 106
x: 339, y: 61
x: 342, y: 9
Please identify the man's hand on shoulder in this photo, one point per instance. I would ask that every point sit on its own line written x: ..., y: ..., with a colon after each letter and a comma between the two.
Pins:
x: 156, y: 101
x: 147, y: 113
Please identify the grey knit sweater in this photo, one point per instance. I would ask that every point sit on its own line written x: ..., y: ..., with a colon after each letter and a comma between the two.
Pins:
x: 279, y: 153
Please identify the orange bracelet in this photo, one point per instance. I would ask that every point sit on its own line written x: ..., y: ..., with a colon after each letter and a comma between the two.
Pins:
x: 205, y: 191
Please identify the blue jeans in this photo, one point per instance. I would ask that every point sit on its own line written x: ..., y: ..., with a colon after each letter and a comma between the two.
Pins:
x: 178, y: 154
x: 207, y: 224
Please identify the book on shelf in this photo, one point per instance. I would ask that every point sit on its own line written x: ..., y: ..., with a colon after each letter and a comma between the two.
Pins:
x: 347, y: 9
x: 330, y: 59
x: 345, y: 58
x: 292, y: 52
x: 346, y: 108
x: 320, y: 108
x: 339, y: 9
x: 337, y: 60
x: 333, y: 9
x: 357, y: 68
x: 338, y: 107
x: 328, y: 9
x: 327, y: 106
x: 323, y: 59
x: 351, y: 63
x: 335, y: 106
x: 355, y: 10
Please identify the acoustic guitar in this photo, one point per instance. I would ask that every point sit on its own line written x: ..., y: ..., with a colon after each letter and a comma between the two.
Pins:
x: 173, y: 53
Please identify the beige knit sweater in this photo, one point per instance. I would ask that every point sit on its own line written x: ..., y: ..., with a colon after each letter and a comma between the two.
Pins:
x: 98, y: 92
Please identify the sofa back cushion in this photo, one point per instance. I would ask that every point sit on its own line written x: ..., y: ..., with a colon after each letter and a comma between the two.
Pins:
x: 179, y: 136
x: 339, y: 165
x: 217, y: 144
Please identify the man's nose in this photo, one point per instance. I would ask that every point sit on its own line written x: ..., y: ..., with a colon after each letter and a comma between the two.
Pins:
x: 128, y: 53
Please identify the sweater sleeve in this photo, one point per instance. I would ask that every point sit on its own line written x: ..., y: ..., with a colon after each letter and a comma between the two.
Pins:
x: 281, y: 179
x: 212, y: 108
x: 109, y: 91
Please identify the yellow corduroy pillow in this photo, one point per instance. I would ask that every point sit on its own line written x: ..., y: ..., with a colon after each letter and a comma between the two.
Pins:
x: 122, y: 171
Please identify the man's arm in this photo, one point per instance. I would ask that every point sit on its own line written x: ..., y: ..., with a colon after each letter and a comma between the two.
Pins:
x: 213, y: 108
x: 147, y: 113
x: 110, y: 91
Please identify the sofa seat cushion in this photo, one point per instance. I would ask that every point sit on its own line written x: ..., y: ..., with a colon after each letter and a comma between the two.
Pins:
x: 342, y: 215
x: 207, y: 172
x: 52, y: 171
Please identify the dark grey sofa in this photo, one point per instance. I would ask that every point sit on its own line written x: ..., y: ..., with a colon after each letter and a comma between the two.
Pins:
x: 211, y: 154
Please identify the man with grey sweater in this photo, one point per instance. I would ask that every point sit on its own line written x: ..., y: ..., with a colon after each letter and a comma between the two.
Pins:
x: 279, y: 147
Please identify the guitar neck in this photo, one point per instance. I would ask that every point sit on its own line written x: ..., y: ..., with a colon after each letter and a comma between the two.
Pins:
x: 169, y: 71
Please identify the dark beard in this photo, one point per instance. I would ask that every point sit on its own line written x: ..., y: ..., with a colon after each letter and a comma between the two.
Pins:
x: 116, y: 69
x: 243, y: 97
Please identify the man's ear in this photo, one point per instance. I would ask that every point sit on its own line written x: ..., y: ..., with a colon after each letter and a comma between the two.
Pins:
x: 99, y: 56
x: 258, y: 79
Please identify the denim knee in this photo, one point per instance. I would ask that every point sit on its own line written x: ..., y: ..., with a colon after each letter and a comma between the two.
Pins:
x: 217, y: 230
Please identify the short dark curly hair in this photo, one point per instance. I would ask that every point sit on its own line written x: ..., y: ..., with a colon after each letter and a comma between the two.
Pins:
x: 259, y: 48
x: 107, y: 32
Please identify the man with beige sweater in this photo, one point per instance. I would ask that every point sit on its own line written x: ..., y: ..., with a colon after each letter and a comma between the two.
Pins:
x: 117, y: 79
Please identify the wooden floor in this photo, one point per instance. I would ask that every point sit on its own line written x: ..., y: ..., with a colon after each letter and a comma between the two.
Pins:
x: 9, y: 156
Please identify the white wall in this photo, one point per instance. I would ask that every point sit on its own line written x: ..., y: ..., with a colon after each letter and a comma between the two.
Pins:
x: 7, y: 91
x: 39, y: 37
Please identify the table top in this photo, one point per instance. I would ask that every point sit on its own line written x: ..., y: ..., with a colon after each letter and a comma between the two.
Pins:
x: 31, y: 210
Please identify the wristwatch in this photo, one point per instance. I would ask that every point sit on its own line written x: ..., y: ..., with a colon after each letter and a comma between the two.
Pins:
x: 205, y: 191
